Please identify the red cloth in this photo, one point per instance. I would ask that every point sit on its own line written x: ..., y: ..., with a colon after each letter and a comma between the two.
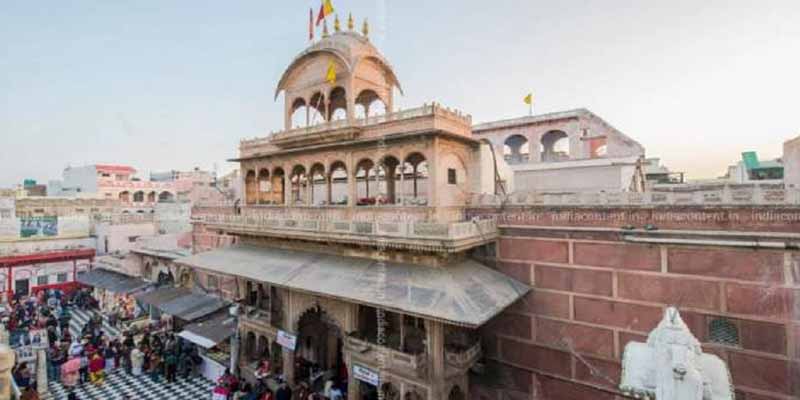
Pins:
x: 97, y: 364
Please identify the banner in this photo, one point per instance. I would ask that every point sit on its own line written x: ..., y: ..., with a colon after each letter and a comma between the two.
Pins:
x: 38, y: 227
x: 287, y: 340
x: 365, y: 374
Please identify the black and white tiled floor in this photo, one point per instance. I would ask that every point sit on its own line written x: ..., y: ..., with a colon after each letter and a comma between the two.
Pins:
x: 121, y: 386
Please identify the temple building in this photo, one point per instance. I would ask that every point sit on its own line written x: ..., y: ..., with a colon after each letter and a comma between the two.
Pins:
x: 352, y: 255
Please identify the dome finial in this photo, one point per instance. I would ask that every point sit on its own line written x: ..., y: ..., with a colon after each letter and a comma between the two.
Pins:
x: 365, y: 28
x: 324, y: 28
x: 336, y: 25
x: 350, y: 23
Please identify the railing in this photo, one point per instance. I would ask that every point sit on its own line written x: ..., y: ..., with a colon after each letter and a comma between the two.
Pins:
x: 483, y: 228
x: 464, y: 359
x: 425, y: 110
x: 730, y: 194
x: 395, y: 360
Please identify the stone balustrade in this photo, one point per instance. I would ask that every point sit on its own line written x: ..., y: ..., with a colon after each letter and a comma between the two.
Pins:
x: 394, y: 360
x: 464, y: 359
x: 712, y: 195
x: 437, y: 116
x: 485, y: 229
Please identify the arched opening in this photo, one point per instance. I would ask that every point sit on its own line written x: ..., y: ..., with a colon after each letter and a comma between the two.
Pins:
x: 250, y: 190
x: 138, y: 197
x: 319, y: 345
x: 278, y: 184
x: 319, y: 185
x: 338, y: 105
x: 390, y: 392
x: 456, y: 394
x: 371, y: 103
x: 166, y: 197
x: 299, y: 113
x: 148, y: 271
x: 516, y: 149
x: 365, y: 172
x: 125, y: 196
x: 360, y: 111
x: 250, y: 346
x: 555, y: 146
x: 276, y: 352
x: 262, y: 353
x: 337, y: 184
x: 387, y: 175
x: 412, y: 395
x: 316, y: 109
x: 151, y: 197
x: 299, y: 182
x: 264, y: 187
x: 414, y: 180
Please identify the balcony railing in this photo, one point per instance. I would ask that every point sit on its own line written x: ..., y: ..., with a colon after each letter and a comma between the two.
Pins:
x: 415, y: 364
x: 480, y: 229
x: 463, y: 359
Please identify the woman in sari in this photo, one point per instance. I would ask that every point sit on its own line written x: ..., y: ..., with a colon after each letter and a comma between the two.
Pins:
x: 96, y: 367
x: 69, y: 372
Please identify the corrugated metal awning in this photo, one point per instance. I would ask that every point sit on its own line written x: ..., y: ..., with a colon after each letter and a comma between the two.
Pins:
x: 210, y: 332
x: 182, y: 302
x: 463, y: 292
x: 112, y: 281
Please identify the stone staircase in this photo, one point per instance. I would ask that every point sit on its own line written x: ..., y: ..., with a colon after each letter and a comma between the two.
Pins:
x: 81, y: 317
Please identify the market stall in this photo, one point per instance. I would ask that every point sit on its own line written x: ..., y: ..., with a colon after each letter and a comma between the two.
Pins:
x: 114, y: 292
x: 211, y: 338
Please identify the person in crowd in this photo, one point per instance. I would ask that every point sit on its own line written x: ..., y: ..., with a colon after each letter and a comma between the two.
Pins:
x: 137, y: 361
x: 29, y: 394
x: 284, y: 392
x: 263, y: 371
x: 22, y: 375
x: 170, y: 366
x: 96, y: 368
x: 84, y: 371
x: 70, y: 372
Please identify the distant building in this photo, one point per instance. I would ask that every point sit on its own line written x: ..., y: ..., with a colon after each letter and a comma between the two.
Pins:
x: 572, y: 150
x: 751, y: 169
x: 655, y: 173
x: 114, y: 182
x: 791, y: 162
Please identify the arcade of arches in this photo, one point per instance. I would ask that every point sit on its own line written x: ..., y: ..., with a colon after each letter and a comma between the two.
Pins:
x: 332, y: 106
x: 385, y: 181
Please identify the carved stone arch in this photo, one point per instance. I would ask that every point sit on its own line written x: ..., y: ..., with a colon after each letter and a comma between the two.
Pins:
x: 185, y: 276
x: 390, y: 391
x: 296, y: 66
x: 312, y: 308
x: 387, y: 69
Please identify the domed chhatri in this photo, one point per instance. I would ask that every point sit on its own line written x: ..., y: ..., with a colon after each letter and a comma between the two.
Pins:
x: 363, y: 77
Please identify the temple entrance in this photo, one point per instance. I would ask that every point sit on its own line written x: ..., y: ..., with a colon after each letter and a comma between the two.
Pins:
x: 318, y: 358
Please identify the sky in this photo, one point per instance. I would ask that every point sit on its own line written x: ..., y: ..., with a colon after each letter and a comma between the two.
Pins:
x: 176, y: 84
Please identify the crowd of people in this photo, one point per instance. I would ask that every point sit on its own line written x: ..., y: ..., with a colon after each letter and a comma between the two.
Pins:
x: 89, y: 357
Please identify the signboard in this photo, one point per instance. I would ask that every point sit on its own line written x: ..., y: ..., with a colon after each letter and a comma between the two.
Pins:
x: 38, y: 227
x: 366, y: 375
x: 287, y: 340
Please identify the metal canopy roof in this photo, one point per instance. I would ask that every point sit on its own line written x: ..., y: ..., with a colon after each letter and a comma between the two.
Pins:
x: 463, y: 293
x: 212, y: 331
x: 112, y: 281
x: 182, y: 302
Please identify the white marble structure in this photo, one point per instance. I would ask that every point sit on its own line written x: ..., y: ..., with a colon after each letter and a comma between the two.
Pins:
x: 672, y: 366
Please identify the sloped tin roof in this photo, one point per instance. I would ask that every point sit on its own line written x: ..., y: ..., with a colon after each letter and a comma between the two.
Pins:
x: 464, y: 293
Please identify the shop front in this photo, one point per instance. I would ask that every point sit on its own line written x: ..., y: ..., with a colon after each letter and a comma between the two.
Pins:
x: 211, y: 337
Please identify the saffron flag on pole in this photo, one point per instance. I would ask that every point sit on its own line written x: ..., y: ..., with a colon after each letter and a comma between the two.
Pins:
x: 529, y: 99
x: 311, y: 24
x: 330, y: 76
x: 325, y: 9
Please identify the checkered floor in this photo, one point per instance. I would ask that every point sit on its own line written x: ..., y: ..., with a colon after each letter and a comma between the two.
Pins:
x: 79, y: 319
x: 121, y: 386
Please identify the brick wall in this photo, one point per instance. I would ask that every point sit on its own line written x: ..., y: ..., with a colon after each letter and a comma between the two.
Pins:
x: 593, y: 292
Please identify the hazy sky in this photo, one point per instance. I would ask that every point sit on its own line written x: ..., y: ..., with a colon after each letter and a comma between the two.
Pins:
x: 175, y: 84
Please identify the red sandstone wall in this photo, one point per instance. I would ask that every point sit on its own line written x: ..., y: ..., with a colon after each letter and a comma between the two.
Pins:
x: 593, y: 293
x: 204, y: 239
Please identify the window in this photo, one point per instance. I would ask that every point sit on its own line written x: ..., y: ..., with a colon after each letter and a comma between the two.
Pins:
x: 451, y: 176
x: 723, y: 331
x: 213, y: 282
x: 106, y: 175
x: 41, y: 280
x: 62, y: 277
x: 132, y: 239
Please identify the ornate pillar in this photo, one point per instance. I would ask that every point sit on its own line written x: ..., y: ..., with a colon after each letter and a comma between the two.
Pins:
x: 7, y: 359
x: 435, y: 332
x: 288, y: 355
x: 41, y: 374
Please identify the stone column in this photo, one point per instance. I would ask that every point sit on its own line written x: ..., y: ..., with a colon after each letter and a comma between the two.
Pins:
x: 7, y: 358
x: 41, y: 374
x: 435, y: 332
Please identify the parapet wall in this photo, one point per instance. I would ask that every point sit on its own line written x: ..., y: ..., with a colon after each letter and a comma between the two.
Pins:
x: 602, y: 273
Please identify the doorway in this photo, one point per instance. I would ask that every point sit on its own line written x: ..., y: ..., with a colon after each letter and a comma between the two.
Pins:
x: 22, y: 287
